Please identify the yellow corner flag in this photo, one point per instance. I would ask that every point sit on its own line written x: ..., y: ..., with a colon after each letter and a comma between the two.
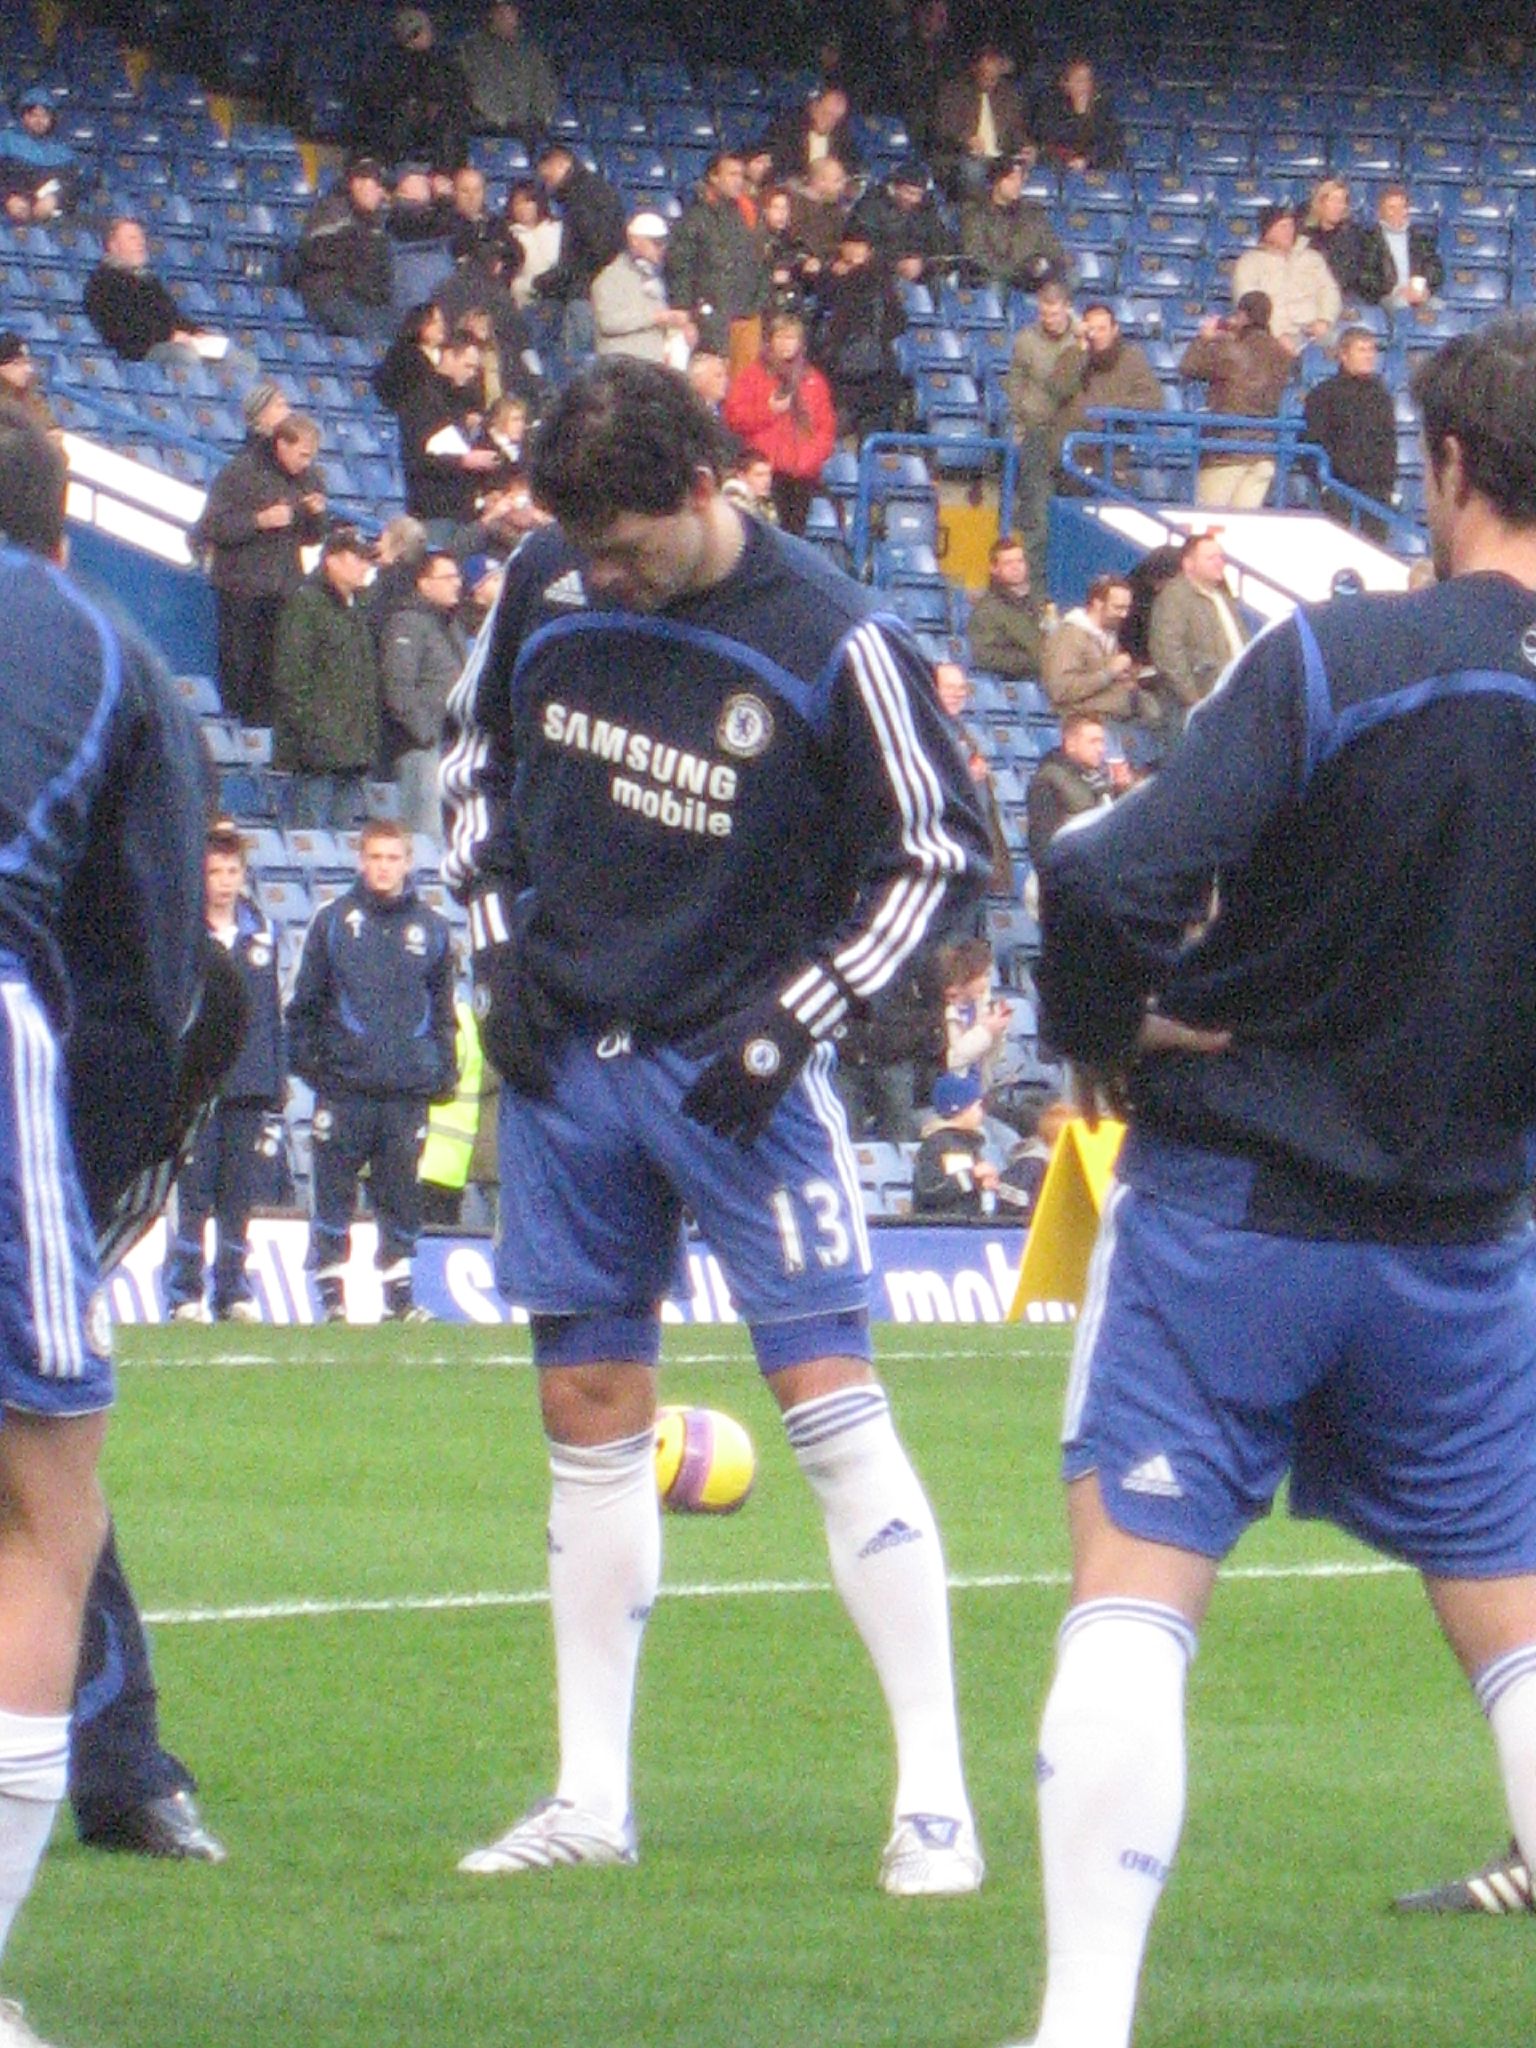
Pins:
x: 1066, y: 1219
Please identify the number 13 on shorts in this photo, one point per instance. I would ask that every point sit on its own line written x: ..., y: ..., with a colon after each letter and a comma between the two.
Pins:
x: 815, y: 1227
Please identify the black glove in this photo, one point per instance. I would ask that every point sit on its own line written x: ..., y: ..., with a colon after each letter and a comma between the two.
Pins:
x: 762, y: 1051
x: 518, y: 1022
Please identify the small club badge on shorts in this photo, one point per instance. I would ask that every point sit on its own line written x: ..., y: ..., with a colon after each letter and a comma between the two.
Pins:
x: 98, y: 1325
x: 760, y: 1057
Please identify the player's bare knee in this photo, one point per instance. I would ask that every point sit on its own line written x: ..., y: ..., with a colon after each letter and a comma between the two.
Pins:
x: 50, y: 1499
x: 596, y: 1404
x: 792, y: 1384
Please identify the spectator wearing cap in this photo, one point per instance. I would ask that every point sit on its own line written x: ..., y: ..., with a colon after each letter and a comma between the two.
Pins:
x: 1245, y: 371
x: 978, y: 122
x: 18, y: 382
x: 264, y: 408
x: 325, y: 688
x: 951, y: 1174
x: 412, y: 104
x: 1302, y: 291
x: 424, y: 650
x: 591, y: 235
x: 266, y: 504
x: 629, y: 300
x: 1007, y: 238
x: 512, y: 86
x: 859, y: 318
x: 137, y: 317
x: 39, y: 174
x: 480, y: 588
x: 905, y: 227
x: 345, y: 266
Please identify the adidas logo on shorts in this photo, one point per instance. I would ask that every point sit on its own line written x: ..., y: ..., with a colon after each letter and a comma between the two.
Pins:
x: 566, y: 589
x: 1153, y: 1475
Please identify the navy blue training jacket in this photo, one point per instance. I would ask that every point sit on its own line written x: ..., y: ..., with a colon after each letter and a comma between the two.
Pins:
x: 1360, y: 792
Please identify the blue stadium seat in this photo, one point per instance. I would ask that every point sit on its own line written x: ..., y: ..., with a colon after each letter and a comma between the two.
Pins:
x: 1508, y: 160
x: 971, y: 305
x: 1476, y: 284
x: 1209, y: 147
x: 1290, y: 152
x: 1366, y: 150
x: 1162, y: 227
x: 1100, y: 191
x: 1475, y: 241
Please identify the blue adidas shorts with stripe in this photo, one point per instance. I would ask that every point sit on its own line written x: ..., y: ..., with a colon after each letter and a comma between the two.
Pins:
x: 55, y: 1341
x: 1395, y: 1383
x: 595, y: 1183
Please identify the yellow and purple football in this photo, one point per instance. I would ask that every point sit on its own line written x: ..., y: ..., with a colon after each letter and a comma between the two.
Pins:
x: 705, y: 1463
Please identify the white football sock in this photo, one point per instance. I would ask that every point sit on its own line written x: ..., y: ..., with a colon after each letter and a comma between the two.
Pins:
x: 888, y: 1566
x: 1506, y: 1690
x: 34, y: 1766
x: 604, y: 1570
x: 1111, y: 1790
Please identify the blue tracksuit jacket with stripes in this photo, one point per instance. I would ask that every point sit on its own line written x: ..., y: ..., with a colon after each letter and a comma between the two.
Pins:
x: 751, y: 792
x: 1360, y: 795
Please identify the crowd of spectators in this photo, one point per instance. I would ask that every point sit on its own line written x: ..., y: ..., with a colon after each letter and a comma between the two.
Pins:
x: 779, y: 283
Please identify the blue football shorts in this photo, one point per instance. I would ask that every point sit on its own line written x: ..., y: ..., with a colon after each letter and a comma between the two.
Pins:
x: 55, y: 1340
x: 596, y: 1181
x: 1395, y: 1383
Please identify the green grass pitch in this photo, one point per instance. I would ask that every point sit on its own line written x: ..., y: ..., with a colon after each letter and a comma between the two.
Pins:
x: 312, y: 1514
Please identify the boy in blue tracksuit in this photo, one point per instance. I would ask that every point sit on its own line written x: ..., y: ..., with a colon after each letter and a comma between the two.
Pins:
x: 223, y: 1177
x: 371, y: 1029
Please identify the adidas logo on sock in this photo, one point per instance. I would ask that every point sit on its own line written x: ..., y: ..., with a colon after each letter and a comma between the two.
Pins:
x: 566, y: 589
x: 1153, y: 1475
x: 891, y: 1537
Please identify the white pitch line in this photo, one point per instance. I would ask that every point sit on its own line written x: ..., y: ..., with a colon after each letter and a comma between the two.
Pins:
x: 438, y: 1603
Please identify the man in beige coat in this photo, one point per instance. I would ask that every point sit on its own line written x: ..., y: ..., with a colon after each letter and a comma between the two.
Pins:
x: 1196, y: 630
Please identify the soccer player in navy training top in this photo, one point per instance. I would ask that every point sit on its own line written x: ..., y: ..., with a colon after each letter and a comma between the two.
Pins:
x: 702, y: 806
x: 101, y: 821
x: 1319, y: 1255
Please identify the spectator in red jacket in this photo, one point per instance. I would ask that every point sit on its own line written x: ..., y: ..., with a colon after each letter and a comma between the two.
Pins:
x: 782, y: 406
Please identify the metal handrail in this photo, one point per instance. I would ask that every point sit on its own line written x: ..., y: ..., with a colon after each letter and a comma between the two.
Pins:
x: 1145, y: 436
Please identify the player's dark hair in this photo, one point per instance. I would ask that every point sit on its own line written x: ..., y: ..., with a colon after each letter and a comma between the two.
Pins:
x: 32, y: 479
x: 1481, y: 389
x: 624, y: 436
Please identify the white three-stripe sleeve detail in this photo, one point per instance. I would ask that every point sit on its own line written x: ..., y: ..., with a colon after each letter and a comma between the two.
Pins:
x: 466, y: 812
x: 833, y: 1119
x: 906, y: 910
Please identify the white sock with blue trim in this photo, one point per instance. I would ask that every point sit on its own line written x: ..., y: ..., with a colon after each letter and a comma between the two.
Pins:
x: 1506, y: 1691
x: 34, y: 1767
x: 604, y: 1572
x: 1111, y: 1790
x: 888, y: 1566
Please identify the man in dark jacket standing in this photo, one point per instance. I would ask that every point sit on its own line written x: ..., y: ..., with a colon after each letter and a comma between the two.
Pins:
x: 265, y: 504
x: 371, y: 1029
x: 1351, y: 417
x: 591, y: 235
x: 716, y: 268
x: 424, y: 650
x: 325, y: 687
x: 440, y: 419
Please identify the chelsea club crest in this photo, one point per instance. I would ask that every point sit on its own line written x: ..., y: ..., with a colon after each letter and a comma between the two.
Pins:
x: 745, y: 726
